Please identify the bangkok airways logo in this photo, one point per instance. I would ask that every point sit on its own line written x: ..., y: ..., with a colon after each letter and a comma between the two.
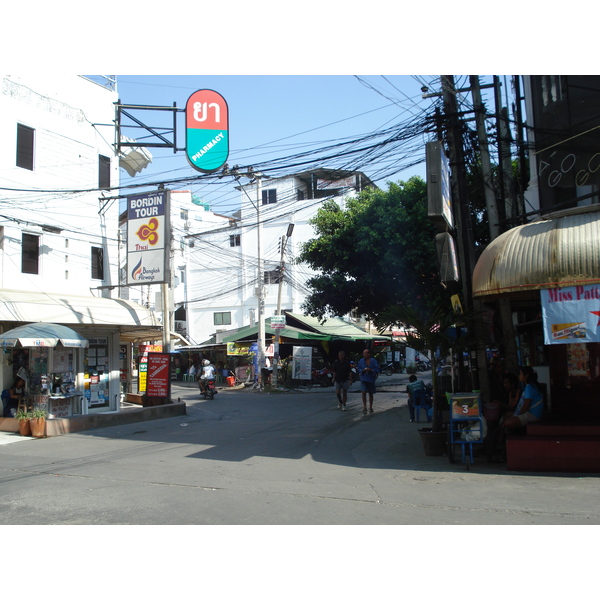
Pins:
x: 136, y: 271
x: 148, y: 232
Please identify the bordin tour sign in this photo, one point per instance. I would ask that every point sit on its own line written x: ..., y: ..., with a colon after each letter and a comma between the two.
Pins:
x: 148, y: 242
x: 207, y: 130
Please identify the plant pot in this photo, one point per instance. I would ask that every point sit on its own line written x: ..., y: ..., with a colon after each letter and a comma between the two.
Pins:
x: 38, y: 427
x: 25, y: 427
x: 434, y: 442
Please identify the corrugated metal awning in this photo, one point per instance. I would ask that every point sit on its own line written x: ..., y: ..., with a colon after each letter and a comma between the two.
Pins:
x: 134, y: 321
x: 554, y: 251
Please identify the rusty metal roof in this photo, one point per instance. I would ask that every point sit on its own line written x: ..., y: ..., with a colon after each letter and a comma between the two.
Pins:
x: 554, y: 251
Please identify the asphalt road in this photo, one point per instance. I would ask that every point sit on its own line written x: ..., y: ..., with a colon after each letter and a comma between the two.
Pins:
x: 275, y: 459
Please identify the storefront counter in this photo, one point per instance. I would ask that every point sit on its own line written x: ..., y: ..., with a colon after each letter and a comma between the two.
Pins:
x: 58, y: 406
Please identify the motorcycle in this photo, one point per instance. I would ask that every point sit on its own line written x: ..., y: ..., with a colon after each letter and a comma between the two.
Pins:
x: 210, y: 390
x: 423, y: 365
x: 354, y: 372
x: 322, y: 377
x: 387, y: 369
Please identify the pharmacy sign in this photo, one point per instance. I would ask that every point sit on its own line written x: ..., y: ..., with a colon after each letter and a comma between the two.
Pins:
x: 207, y: 130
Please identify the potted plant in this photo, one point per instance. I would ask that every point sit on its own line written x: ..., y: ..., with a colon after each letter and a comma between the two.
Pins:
x: 24, y: 419
x: 38, y: 423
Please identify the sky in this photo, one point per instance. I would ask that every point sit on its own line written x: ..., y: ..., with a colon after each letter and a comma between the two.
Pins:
x: 278, y: 116
x: 273, y: 116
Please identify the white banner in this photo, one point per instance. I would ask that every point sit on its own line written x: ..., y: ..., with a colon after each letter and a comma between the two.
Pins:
x: 301, y: 362
x: 571, y: 314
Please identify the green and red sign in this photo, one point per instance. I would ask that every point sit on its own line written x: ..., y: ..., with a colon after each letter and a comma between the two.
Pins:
x: 207, y: 130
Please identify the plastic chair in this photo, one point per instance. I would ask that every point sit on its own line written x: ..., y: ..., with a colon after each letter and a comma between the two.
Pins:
x: 422, y: 401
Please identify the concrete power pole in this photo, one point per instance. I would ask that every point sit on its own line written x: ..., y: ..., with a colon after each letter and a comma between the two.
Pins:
x: 488, y: 185
x: 261, y: 282
x: 466, y: 242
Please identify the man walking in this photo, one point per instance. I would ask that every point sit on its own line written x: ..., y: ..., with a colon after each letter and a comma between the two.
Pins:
x: 342, y: 378
x: 368, y: 370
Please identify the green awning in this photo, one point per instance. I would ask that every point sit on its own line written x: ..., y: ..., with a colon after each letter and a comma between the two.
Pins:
x: 251, y: 333
x: 335, y: 327
x: 299, y: 327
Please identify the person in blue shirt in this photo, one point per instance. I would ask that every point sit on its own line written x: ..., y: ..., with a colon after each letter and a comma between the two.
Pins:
x: 368, y: 370
x: 530, y: 407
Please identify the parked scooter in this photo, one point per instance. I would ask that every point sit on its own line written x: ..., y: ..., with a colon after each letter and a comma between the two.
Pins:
x: 322, y: 377
x: 423, y: 365
x: 387, y: 369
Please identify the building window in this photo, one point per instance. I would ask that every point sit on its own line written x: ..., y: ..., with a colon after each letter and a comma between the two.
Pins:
x: 30, y: 254
x: 222, y: 318
x: 269, y: 196
x: 97, y: 263
x: 103, y: 172
x: 25, y: 138
x: 184, y: 214
x: 234, y: 240
x: 300, y: 195
x: 272, y: 276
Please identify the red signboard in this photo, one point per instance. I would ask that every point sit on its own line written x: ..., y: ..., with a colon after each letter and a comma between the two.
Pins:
x: 159, y: 379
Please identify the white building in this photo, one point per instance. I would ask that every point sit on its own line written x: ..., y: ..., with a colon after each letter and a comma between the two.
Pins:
x: 222, y: 262
x: 59, y: 251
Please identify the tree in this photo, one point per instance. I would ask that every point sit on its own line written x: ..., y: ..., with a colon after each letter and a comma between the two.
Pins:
x: 378, y: 251
x: 432, y: 333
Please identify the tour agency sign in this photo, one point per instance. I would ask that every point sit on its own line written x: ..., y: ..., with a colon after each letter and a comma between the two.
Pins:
x: 207, y: 130
x: 571, y: 314
x: 148, y: 243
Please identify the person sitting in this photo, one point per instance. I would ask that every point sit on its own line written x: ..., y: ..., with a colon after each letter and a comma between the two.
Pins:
x: 415, y: 390
x: 512, y: 393
x: 530, y: 407
x: 207, y: 373
x: 12, y: 396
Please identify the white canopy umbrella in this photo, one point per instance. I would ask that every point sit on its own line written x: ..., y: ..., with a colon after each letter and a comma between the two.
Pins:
x: 42, y: 334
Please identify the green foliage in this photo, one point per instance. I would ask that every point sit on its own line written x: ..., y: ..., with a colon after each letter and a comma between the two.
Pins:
x: 38, y: 414
x: 378, y: 251
x: 23, y: 415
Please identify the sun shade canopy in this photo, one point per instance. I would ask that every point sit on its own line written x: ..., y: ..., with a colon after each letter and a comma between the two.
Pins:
x: 42, y: 335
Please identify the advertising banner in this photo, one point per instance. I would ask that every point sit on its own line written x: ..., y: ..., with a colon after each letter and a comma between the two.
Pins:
x: 301, y: 362
x: 571, y: 314
x: 158, y: 382
x: 148, y: 239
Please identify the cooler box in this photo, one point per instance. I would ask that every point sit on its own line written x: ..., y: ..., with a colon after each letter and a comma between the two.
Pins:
x: 230, y: 381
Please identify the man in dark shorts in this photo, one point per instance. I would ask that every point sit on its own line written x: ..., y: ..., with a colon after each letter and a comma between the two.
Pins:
x: 341, y: 377
x: 368, y: 370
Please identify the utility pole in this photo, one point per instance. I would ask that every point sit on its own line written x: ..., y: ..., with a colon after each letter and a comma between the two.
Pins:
x: 259, y: 288
x: 261, y: 283
x: 488, y: 186
x: 466, y: 241
x: 284, y: 239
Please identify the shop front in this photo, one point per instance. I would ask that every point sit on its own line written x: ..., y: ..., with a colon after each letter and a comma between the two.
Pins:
x: 542, y: 280
x: 66, y: 380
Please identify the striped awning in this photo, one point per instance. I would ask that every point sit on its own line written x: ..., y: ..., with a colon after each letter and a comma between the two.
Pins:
x: 554, y: 251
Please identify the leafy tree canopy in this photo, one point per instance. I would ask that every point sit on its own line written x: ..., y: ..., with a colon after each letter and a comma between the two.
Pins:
x: 377, y: 252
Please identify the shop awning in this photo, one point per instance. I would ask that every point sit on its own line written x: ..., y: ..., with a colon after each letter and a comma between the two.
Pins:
x: 554, y: 251
x: 251, y: 332
x: 334, y: 327
x: 135, y: 322
x: 299, y: 327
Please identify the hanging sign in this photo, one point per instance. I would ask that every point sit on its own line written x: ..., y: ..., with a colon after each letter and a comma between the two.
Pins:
x: 207, y: 130
x: 148, y: 242
x: 571, y: 314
